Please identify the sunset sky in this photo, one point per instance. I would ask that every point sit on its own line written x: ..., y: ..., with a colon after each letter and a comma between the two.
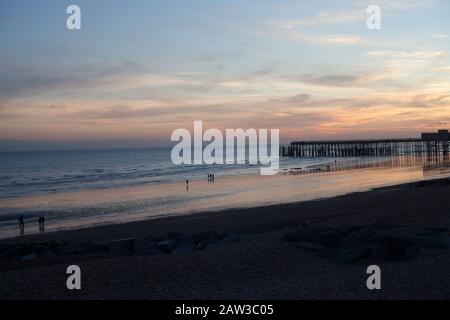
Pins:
x: 139, y: 69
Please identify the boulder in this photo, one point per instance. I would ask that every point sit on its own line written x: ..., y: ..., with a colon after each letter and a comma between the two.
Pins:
x: 209, y: 237
x: 325, y: 237
x: 16, y: 252
x: 229, y: 240
x: 184, y: 247
x: 122, y: 246
x: 311, y: 246
x: 439, y: 240
x: 346, y: 230
x: 29, y: 257
x: 360, y: 237
x: 43, y: 252
x: 350, y: 254
x: 145, y: 246
x: 394, y: 250
x: 331, y: 239
x: 178, y: 245
x: 205, y: 239
x: 80, y: 247
x: 170, y: 235
x: 405, y: 233
x: 304, y: 234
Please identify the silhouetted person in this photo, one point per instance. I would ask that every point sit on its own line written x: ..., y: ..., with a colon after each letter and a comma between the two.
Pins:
x: 41, y: 223
x: 209, y: 177
x: 21, y: 224
x: 212, y: 177
x: 187, y: 184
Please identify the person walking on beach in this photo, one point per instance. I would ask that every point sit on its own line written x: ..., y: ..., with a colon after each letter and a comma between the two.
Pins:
x: 187, y: 185
x: 21, y: 224
x: 41, y: 223
x: 209, y: 177
x: 212, y: 177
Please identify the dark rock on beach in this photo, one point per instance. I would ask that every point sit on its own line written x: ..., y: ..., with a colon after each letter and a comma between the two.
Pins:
x: 377, y: 241
x: 122, y: 246
x: 145, y: 246
x: 325, y: 237
x: 353, y: 253
x: 179, y: 245
x: 80, y: 247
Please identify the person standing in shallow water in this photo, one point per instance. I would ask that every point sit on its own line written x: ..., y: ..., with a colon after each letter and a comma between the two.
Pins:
x: 21, y: 224
x: 41, y: 223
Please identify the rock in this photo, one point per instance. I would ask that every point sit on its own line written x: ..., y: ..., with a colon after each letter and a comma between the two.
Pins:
x: 311, y: 246
x: 4, y: 248
x: 209, y: 237
x: 80, y: 247
x: 346, y: 230
x: 184, y: 247
x: 29, y: 257
x: 205, y: 239
x: 405, y: 233
x: 43, y: 252
x: 354, y: 253
x: 16, y: 252
x: 145, y: 246
x: 331, y: 239
x: 170, y: 235
x: 231, y: 239
x: 379, y: 241
x: 440, y: 240
x: 323, y: 236
x: 167, y: 246
x: 178, y: 245
x: 122, y: 246
x: 304, y: 234
x: 358, y: 238
x: 394, y: 250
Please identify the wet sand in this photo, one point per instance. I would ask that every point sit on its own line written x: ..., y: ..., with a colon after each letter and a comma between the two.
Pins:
x: 261, y: 267
x: 81, y: 209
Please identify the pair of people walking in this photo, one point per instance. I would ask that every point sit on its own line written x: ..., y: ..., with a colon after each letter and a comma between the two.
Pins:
x: 41, y: 222
x: 211, y: 177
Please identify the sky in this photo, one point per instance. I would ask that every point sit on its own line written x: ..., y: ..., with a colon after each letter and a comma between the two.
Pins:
x: 140, y: 69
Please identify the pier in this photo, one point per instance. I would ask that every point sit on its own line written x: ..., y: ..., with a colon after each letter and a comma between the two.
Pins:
x: 430, y: 144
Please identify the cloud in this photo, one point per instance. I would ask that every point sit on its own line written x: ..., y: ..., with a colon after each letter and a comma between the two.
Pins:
x: 321, y: 18
x: 407, y: 54
x: 39, y: 77
x: 440, y: 36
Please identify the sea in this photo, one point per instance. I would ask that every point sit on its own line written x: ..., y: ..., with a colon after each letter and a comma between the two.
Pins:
x: 82, y: 188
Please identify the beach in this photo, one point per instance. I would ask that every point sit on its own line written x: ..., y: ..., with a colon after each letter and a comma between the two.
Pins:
x: 122, y: 200
x: 260, y: 265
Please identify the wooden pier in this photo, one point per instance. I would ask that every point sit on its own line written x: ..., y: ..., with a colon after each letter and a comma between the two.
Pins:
x: 431, y: 144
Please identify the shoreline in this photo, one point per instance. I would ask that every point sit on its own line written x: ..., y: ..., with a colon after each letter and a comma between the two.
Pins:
x: 70, y: 211
x: 186, y: 222
x: 259, y: 266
